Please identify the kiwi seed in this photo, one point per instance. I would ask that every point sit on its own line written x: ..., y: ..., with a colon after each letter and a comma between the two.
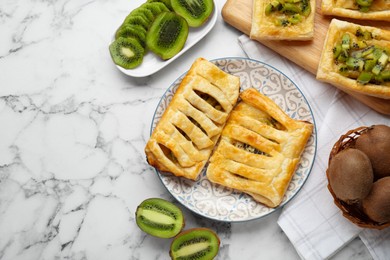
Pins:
x: 196, y: 12
x: 126, y: 52
x: 159, y: 218
x: 167, y: 35
x: 195, y: 244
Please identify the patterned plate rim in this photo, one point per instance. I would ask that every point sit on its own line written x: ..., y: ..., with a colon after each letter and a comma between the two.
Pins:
x: 309, y: 169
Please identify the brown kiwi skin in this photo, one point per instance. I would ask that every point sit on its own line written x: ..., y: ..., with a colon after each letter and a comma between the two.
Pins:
x: 350, y: 175
x: 377, y: 204
x: 375, y: 143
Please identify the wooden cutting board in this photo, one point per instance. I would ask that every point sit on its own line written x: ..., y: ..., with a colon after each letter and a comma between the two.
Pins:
x: 238, y: 13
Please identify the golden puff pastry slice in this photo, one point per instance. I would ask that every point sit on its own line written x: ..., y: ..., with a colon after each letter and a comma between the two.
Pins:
x: 185, y: 136
x: 357, y: 9
x: 283, y: 20
x: 259, y: 149
x: 356, y: 58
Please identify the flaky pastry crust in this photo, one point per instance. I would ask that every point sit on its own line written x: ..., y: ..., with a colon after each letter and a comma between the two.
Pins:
x: 188, y: 130
x: 379, y: 10
x: 259, y: 149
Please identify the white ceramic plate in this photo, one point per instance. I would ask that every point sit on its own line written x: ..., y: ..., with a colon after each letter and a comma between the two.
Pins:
x: 224, y: 204
x: 152, y: 63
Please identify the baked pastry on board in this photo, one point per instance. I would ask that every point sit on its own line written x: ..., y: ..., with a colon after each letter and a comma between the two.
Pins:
x: 187, y: 133
x: 356, y: 57
x: 357, y: 9
x: 283, y: 20
x: 259, y: 149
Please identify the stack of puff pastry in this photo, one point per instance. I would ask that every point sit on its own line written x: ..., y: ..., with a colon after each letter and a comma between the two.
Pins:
x: 259, y: 146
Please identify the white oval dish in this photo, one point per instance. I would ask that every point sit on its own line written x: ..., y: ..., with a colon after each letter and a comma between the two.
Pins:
x: 152, y: 63
x: 223, y: 204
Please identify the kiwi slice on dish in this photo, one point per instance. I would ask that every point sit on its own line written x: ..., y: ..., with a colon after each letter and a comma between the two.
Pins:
x: 127, y: 52
x: 146, y: 13
x: 159, y: 218
x: 132, y: 31
x: 167, y: 35
x: 167, y: 3
x: 196, y: 12
x: 196, y: 244
x: 137, y: 19
x: 155, y: 7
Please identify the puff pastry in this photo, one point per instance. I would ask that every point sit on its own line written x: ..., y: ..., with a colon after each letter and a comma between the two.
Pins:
x: 272, y: 20
x: 332, y: 69
x: 185, y: 136
x: 377, y: 9
x: 259, y: 149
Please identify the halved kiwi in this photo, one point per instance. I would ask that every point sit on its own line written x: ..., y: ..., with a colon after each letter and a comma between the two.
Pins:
x: 126, y: 52
x: 195, y: 244
x: 167, y: 35
x: 159, y: 218
x: 196, y: 12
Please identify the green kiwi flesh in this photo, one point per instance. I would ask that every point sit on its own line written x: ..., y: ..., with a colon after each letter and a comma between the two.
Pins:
x: 159, y: 218
x: 155, y: 7
x: 127, y: 52
x: 132, y: 31
x: 137, y: 19
x: 167, y: 3
x: 167, y: 35
x: 146, y: 13
x: 195, y: 244
x: 196, y: 12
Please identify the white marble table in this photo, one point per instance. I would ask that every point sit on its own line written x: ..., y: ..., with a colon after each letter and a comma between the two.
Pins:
x: 72, y: 134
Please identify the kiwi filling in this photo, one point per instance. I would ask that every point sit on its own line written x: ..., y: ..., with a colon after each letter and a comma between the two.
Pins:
x: 249, y: 148
x: 288, y: 12
x: 168, y: 153
x: 356, y: 59
x: 211, y: 100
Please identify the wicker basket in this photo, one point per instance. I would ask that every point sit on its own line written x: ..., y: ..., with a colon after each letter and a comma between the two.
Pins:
x: 352, y: 212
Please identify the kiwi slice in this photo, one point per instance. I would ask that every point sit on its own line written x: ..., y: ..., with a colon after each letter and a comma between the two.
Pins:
x: 146, y: 13
x: 159, y: 218
x: 126, y: 52
x: 156, y: 7
x: 196, y: 12
x: 137, y: 19
x: 167, y: 3
x: 167, y: 35
x: 196, y: 244
x: 132, y: 31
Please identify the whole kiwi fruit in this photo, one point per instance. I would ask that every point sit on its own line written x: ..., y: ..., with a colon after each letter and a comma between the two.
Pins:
x: 375, y: 143
x: 350, y: 175
x: 196, y: 244
x: 377, y: 204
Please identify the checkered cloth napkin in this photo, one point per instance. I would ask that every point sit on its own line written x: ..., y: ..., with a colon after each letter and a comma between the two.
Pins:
x: 314, y: 225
